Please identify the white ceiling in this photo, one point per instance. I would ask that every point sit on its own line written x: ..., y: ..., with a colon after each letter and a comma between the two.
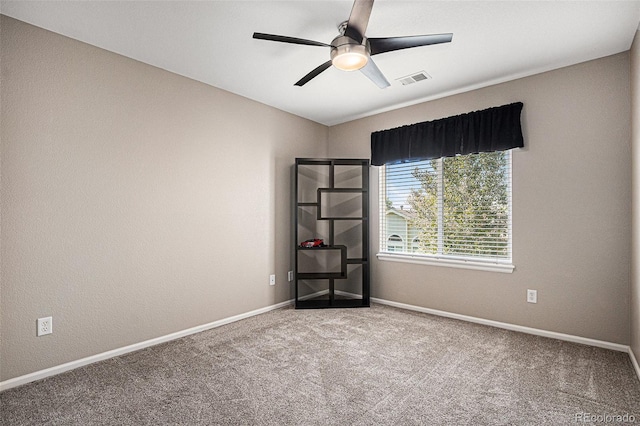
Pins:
x: 211, y: 41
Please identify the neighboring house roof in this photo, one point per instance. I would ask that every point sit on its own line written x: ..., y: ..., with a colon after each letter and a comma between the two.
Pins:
x: 406, y: 214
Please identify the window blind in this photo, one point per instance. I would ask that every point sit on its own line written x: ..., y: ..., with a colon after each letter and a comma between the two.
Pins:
x: 454, y: 207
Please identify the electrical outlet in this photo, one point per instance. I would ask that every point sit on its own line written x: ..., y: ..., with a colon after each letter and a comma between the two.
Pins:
x: 290, y: 276
x: 532, y: 296
x: 272, y: 279
x: 45, y: 326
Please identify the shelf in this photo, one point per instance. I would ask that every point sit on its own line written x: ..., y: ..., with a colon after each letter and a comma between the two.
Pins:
x: 336, y: 303
x: 334, y: 247
x: 321, y: 275
x: 355, y: 190
x: 332, y: 162
x: 344, y: 218
x: 318, y: 275
x: 339, y: 191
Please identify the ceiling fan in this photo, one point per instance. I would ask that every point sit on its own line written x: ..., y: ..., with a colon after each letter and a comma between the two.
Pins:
x: 351, y: 50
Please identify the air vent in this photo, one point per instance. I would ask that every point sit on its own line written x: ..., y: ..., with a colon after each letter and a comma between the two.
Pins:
x: 414, y: 78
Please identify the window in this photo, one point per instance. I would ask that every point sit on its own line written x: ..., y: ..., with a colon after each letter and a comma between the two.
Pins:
x: 394, y: 243
x: 452, y: 210
x: 415, y: 245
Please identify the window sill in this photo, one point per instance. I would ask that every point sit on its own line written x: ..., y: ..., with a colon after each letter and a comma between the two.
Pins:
x: 506, y: 268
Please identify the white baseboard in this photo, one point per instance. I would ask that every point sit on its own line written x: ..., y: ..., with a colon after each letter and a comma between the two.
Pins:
x: 507, y: 326
x: 634, y: 361
x: 37, y: 375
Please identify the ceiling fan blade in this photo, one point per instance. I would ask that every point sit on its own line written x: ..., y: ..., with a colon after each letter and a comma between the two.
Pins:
x: 374, y: 74
x: 359, y: 19
x: 313, y: 74
x: 388, y: 44
x: 285, y: 39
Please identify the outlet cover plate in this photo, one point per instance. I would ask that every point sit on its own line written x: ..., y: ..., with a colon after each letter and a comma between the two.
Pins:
x: 532, y: 296
x: 272, y: 279
x: 45, y: 326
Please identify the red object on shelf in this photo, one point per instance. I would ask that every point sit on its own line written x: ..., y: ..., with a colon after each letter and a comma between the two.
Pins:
x: 313, y: 243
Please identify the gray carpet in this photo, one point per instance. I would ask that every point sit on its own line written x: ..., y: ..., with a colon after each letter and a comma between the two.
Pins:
x: 377, y: 366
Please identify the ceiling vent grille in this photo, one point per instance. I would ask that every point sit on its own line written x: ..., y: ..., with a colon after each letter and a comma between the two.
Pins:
x: 414, y: 78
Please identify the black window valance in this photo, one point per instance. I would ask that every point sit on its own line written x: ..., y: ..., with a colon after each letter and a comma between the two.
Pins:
x: 493, y: 129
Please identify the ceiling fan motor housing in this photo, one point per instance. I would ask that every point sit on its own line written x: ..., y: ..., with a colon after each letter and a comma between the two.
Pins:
x: 347, y: 54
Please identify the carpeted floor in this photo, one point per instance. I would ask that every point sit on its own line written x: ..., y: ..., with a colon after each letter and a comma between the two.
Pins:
x: 377, y: 366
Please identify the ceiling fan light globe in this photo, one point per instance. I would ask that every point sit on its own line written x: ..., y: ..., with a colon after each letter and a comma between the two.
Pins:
x: 349, y: 57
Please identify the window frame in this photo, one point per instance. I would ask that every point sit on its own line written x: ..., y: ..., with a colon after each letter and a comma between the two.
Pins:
x: 452, y: 261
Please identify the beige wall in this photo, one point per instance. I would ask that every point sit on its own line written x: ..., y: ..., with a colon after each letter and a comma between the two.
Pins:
x: 635, y: 159
x: 135, y: 202
x: 571, y: 205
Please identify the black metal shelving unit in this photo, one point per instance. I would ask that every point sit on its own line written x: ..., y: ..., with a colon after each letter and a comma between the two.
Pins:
x: 331, y: 202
